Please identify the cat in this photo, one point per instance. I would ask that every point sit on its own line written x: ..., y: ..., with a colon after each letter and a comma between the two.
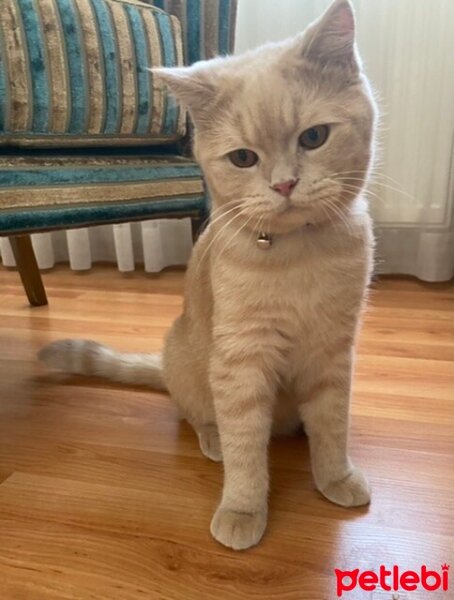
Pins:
x: 277, y: 281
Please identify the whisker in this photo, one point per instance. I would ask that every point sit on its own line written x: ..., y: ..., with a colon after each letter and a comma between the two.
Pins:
x: 338, y: 212
x: 327, y: 214
x: 221, y: 209
x: 378, y: 183
x: 241, y: 213
x: 372, y: 178
x: 237, y: 232
x: 355, y: 191
x: 227, y: 212
x: 371, y: 174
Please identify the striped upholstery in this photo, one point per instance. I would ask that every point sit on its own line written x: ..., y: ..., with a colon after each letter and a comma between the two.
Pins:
x: 80, y: 81
x: 208, y: 25
x: 45, y: 190
x: 73, y: 72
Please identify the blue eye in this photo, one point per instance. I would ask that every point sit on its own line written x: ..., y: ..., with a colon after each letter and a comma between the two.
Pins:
x: 314, y: 137
x: 313, y: 134
x: 243, y: 158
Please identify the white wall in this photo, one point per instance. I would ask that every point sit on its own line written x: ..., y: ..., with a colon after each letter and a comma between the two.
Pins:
x: 408, y: 50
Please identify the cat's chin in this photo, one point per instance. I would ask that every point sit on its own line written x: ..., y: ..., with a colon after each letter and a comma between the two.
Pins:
x: 292, y: 219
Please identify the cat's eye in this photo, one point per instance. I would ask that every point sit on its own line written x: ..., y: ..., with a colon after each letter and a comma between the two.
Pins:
x: 243, y: 158
x: 314, y: 137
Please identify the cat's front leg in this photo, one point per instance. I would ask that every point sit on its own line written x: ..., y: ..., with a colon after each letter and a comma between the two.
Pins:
x: 325, y: 414
x: 243, y: 398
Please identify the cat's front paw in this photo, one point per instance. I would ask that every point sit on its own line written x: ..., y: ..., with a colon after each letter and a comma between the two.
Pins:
x: 353, y: 490
x: 238, y: 530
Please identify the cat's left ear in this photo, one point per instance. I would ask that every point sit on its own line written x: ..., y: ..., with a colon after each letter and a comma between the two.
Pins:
x: 191, y: 86
x: 330, y: 41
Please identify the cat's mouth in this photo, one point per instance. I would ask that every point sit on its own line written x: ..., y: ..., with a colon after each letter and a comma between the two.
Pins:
x: 287, y: 217
x: 296, y: 213
x: 293, y: 207
x: 286, y: 214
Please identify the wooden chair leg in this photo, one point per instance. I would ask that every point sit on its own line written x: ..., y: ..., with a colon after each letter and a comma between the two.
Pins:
x: 28, y: 269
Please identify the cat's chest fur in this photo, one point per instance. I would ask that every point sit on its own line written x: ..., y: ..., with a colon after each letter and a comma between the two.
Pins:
x: 306, y: 282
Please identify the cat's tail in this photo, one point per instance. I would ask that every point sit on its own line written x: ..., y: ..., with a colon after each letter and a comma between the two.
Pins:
x: 84, y: 357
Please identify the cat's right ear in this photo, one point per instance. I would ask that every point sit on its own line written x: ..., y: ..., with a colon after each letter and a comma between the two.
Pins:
x: 330, y: 41
x: 191, y: 87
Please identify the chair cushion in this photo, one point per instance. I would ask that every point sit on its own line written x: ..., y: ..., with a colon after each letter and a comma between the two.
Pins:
x: 42, y: 191
x: 74, y: 73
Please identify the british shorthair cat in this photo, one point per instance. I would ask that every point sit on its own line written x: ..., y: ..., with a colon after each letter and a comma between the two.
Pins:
x: 276, y: 283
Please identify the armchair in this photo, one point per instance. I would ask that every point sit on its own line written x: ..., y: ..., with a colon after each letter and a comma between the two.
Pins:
x: 86, y: 135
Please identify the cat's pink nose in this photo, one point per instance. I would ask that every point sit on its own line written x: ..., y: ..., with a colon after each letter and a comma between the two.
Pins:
x: 285, y: 187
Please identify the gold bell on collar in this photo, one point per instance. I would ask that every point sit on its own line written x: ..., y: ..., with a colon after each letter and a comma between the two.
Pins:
x: 264, y: 241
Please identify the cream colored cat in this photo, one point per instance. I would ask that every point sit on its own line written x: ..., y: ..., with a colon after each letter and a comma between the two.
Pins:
x: 275, y: 285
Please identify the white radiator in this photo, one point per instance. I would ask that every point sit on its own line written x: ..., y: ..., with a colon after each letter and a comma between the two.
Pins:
x: 155, y: 244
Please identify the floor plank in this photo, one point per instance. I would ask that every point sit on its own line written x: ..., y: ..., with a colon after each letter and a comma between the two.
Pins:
x: 104, y: 494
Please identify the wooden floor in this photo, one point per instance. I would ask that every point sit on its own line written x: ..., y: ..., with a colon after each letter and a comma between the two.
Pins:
x: 104, y: 495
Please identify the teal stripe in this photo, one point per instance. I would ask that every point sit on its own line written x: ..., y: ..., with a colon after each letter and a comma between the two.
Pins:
x: 143, y: 76
x: 78, y: 80
x: 224, y: 26
x: 169, y: 60
x: 84, y: 176
x: 39, y: 81
x: 193, y: 21
x: 110, y: 57
x: 3, y: 98
x: 105, y: 212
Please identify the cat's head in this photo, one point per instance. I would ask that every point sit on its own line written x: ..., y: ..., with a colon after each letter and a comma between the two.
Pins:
x: 284, y: 132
